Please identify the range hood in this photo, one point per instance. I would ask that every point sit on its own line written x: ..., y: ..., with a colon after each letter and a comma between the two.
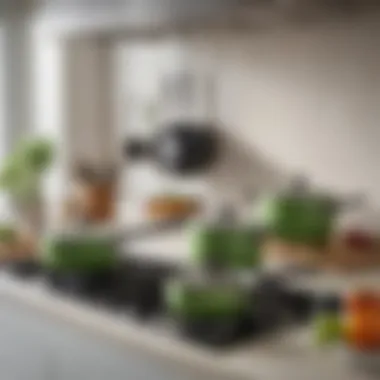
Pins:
x: 144, y: 16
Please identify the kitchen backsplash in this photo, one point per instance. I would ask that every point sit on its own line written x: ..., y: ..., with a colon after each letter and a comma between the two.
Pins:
x: 289, y: 101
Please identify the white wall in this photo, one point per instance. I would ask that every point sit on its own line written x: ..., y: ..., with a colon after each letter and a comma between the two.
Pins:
x: 73, y: 104
x: 290, y: 100
x: 308, y: 101
x: 298, y: 100
x: 49, y: 114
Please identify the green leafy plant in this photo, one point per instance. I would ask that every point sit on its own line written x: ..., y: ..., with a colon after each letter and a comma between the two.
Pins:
x: 22, y: 172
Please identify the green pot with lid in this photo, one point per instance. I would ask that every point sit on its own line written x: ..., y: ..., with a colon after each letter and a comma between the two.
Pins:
x: 81, y: 252
x: 210, y: 245
x: 307, y: 220
x: 227, y: 246
x: 300, y: 215
x: 245, y: 247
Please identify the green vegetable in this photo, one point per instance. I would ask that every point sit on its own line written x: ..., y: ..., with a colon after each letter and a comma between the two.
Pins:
x: 22, y: 171
x: 328, y: 328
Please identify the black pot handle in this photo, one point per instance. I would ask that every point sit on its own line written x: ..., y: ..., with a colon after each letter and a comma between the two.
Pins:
x: 136, y: 149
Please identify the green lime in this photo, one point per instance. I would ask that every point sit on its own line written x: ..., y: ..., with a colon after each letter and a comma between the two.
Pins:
x: 328, y: 328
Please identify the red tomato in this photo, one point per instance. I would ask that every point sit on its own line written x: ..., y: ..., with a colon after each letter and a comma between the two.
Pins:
x: 362, y: 322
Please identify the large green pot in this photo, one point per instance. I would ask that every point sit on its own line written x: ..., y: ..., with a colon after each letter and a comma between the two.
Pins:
x: 79, y: 253
x: 305, y: 219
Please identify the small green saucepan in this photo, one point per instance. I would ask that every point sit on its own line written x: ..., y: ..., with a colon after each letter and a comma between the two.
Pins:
x: 206, y: 312
x: 205, y: 300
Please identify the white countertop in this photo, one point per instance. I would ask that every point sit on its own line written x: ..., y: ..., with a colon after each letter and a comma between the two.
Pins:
x: 290, y: 355
x: 171, y: 246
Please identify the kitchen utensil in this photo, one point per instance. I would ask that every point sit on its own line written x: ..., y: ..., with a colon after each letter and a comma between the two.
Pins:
x: 80, y: 252
x: 300, y: 215
x: 181, y: 148
x: 227, y: 247
x: 207, y: 311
